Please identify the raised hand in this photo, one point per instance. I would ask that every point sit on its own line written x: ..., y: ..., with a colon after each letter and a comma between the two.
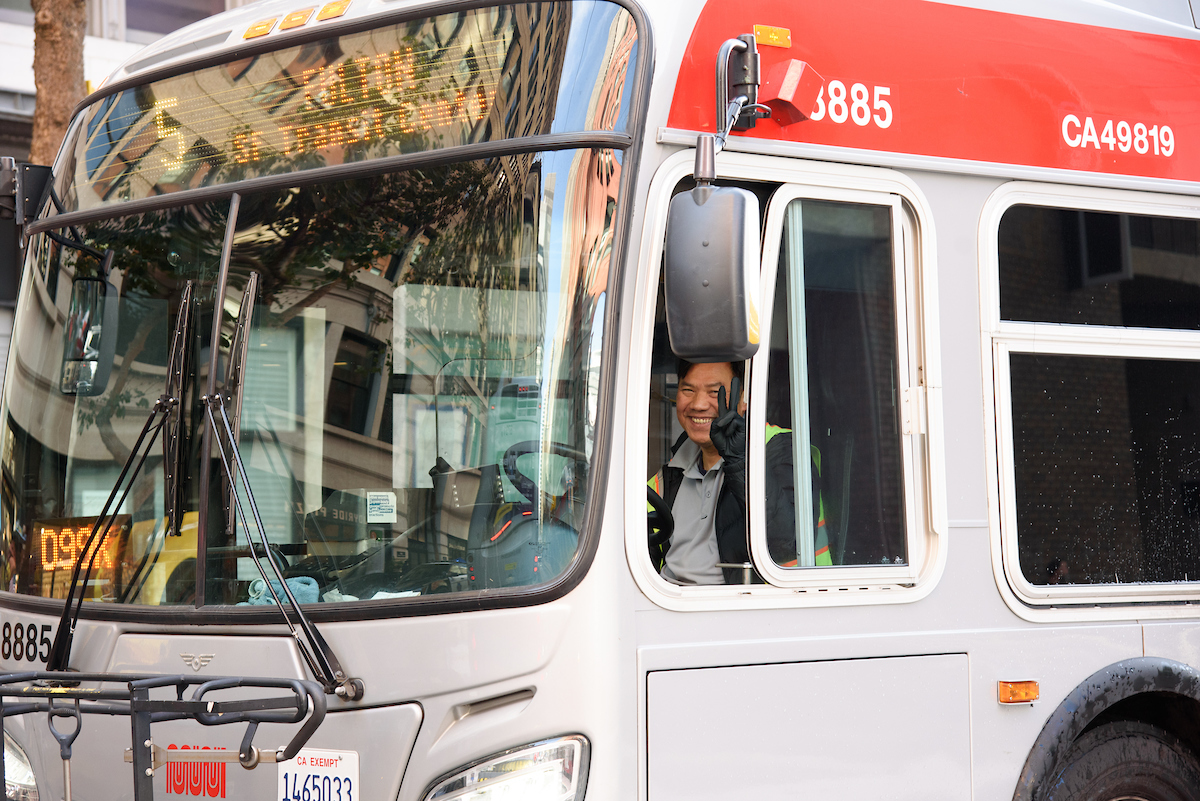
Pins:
x: 728, y: 434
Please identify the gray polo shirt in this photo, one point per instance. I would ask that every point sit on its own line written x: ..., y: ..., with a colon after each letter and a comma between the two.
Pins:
x: 692, y: 557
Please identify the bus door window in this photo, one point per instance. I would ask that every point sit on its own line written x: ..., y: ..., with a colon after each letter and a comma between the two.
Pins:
x: 832, y: 391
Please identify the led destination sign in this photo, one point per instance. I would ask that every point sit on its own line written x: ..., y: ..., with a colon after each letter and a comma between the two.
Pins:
x: 361, y: 100
x: 58, y: 543
x: 423, y: 85
x: 304, y: 107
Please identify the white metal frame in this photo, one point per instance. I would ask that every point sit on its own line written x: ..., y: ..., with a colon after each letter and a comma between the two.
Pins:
x: 1000, y: 339
x: 925, y: 466
x: 908, y: 395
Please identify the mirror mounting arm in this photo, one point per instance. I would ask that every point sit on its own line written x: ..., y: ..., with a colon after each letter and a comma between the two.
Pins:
x: 742, y: 81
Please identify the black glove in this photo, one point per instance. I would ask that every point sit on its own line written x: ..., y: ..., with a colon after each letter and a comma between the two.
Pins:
x: 728, y: 434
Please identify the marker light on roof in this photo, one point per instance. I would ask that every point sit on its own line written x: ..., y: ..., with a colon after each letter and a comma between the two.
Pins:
x: 773, y: 35
x: 261, y: 28
x: 297, y: 18
x: 333, y: 10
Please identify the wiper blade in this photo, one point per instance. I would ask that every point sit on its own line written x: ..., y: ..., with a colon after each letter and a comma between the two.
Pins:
x: 176, y: 376
x: 321, y: 660
x: 239, y: 344
x: 60, y: 650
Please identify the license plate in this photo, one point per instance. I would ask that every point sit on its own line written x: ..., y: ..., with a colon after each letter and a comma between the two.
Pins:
x: 316, y: 774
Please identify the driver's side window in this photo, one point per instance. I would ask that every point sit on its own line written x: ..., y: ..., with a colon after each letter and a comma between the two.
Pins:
x: 832, y: 390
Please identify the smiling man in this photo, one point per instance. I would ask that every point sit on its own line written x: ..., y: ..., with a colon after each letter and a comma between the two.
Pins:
x: 705, y: 481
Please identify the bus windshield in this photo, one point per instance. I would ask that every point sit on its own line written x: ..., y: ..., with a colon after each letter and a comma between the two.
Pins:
x: 409, y: 356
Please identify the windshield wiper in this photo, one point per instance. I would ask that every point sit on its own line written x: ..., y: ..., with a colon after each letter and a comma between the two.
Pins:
x: 325, y: 666
x: 160, y: 414
x: 320, y: 657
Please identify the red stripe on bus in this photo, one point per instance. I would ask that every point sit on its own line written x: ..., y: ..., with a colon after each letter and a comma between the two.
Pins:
x: 932, y: 79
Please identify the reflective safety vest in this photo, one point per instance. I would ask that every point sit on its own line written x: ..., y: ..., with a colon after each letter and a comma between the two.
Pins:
x: 821, y: 540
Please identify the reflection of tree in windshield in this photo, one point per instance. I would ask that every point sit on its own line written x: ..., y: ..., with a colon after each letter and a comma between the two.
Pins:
x: 305, y: 243
x: 155, y: 254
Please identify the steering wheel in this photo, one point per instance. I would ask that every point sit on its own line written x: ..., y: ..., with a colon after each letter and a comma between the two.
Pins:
x: 523, y: 483
x: 660, y: 523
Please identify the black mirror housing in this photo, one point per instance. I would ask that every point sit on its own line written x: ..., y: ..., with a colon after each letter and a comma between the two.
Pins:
x: 22, y: 191
x: 711, y: 262
x: 89, y: 338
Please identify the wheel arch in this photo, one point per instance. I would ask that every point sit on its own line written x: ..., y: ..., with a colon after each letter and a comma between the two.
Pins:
x: 1152, y: 690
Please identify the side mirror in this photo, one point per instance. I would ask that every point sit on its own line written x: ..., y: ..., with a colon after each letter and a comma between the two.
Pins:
x: 22, y: 187
x: 711, y: 262
x: 90, y: 337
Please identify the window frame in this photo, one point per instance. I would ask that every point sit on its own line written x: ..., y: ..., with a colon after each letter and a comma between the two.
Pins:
x: 1002, y: 338
x: 924, y: 479
x: 908, y: 389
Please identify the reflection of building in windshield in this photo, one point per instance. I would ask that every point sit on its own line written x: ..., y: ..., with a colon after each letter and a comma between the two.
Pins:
x: 425, y: 338
x: 590, y: 203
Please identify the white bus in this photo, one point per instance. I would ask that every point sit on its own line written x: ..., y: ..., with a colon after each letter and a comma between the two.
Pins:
x: 343, y: 356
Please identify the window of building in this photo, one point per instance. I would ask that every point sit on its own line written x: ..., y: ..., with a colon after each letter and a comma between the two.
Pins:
x: 353, y: 383
x: 1098, y: 398
x: 146, y: 20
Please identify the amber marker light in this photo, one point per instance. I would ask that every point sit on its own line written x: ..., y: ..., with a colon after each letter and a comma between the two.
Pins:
x: 296, y: 18
x: 1018, y: 692
x: 260, y: 28
x: 333, y: 10
x: 773, y: 35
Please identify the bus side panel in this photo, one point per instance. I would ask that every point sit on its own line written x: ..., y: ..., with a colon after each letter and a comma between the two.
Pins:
x: 767, y: 731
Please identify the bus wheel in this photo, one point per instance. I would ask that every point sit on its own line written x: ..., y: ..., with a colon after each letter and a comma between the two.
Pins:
x: 1126, y: 760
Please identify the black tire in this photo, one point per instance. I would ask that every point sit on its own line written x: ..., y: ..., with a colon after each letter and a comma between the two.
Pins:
x: 1126, y: 760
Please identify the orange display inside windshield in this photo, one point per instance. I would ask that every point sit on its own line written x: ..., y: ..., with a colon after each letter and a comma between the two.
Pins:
x: 58, y: 544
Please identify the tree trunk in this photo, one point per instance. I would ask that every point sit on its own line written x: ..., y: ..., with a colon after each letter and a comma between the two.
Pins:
x: 58, y: 28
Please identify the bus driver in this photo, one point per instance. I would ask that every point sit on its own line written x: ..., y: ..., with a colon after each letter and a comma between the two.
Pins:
x: 704, y: 483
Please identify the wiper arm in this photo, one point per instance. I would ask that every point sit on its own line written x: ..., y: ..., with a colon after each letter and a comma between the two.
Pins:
x: 60, y: 650
x: 320, y: 657
x: 105, y: 257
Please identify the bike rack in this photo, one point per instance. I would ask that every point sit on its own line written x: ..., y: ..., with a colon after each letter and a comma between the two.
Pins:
x: 60, y: 695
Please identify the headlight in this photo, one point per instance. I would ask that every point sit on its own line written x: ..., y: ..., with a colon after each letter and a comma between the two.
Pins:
x: 552, y: 770
x: 19, y: 784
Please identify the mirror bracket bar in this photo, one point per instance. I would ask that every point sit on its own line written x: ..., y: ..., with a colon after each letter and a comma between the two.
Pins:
x: 742, y: 81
